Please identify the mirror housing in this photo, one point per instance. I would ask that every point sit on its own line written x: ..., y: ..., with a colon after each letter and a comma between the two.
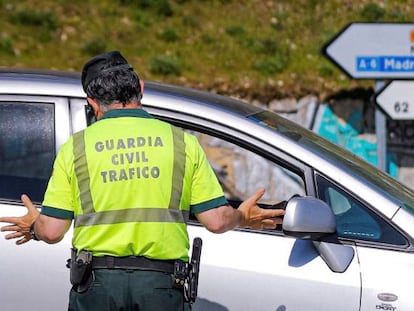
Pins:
x: 308, y: 218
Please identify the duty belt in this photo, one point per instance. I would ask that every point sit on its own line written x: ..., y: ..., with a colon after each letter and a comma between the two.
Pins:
x: 133, y: 263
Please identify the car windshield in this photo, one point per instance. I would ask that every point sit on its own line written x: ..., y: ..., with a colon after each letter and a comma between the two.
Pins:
x: 335, y: 154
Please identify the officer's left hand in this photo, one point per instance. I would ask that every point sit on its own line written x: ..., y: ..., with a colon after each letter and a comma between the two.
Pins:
x: 21, y: 224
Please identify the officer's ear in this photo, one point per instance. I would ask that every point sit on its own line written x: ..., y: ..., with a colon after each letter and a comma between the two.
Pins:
x: 96, y: 109
x: 141, y: 84
x: 93, y: 103
x: 141, y: 89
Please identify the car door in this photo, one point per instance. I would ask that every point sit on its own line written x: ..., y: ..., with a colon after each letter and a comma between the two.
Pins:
x: 256, y: 270
x: 31, y: 130
x: 384, y: 252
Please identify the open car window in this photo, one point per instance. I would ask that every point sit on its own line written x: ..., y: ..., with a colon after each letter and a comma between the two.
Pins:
x: 242, y: 172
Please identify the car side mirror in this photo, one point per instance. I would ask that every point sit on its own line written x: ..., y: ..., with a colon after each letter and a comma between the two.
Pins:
x: 308, y: 218
x: 312, y: 219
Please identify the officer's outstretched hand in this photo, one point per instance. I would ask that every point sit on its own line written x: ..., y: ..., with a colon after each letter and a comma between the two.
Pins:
x: 258, y: 218
x: 21, y: 224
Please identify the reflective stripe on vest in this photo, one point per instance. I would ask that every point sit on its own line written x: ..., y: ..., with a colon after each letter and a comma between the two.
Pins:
x: 171, y: 214
x: 82, y: 173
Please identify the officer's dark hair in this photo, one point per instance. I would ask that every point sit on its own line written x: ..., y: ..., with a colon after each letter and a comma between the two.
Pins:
x: 109, y: 79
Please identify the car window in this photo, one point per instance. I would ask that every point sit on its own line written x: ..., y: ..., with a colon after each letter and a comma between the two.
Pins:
x: 241, y: 172
x: 27, y: 149
x: 353, y: 219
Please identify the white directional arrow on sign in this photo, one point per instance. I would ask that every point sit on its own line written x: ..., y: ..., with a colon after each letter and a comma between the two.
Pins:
x: 397, y: 100
x: 374, y: 50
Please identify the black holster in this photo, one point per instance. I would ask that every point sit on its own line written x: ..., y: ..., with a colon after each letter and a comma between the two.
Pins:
x: 81, y: 275
x: 186, y: 274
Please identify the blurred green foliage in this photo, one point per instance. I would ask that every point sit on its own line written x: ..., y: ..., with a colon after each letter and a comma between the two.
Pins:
x: 229, y: 46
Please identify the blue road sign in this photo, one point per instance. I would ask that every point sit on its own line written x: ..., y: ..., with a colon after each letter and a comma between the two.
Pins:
x: 385, y: 64
x: 374, y: 50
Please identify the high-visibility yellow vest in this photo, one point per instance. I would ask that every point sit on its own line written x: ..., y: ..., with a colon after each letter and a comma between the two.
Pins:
x: 129, y: 181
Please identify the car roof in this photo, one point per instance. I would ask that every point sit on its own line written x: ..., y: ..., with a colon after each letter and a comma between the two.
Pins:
x: 40, y: 82
x: 62, y: 83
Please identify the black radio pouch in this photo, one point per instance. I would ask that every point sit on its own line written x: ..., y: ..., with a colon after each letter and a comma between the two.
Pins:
x: 81, y: 275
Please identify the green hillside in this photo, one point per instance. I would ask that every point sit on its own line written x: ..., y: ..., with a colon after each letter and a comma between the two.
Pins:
x: 257, y: 48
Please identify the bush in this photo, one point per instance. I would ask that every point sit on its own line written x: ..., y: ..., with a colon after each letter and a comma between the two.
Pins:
x: 169, y: 35
x: 36, y: 18
x: 190, y: 21
x: 6, y: 47
x: 164, y: 65
x: 372, y: 12
x: 161, y: 7
x: 44, y: 37
x: 94, y: 47
x: 272, y: 65
x: 326, y: 70
x: 235, y: 31
x: 208, y: 39
x: 142, y: 21
x: 264, y: 46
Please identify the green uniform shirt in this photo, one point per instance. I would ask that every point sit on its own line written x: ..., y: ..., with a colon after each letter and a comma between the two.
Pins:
x: 130, y: 181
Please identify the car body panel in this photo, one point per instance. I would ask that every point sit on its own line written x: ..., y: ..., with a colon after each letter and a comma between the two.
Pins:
x: 404, y: 220
x: 36, y: 269
x: 394, y: 279
x: 270, y: 273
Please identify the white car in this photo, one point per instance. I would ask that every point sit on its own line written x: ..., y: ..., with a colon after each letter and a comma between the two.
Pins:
x: 346, y: 242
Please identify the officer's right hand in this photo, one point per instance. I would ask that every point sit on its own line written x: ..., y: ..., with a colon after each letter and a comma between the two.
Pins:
x: 21, y: 224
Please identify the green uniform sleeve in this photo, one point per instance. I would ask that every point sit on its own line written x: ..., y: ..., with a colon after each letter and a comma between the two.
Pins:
x: 58, y: 200
x: 206, y: 191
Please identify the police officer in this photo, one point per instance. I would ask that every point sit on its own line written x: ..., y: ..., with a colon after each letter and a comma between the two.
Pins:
x: 129, y: 182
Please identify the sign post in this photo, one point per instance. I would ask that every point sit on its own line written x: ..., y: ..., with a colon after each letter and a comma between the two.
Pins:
x: 381, y: 132
x: 377, y: 51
